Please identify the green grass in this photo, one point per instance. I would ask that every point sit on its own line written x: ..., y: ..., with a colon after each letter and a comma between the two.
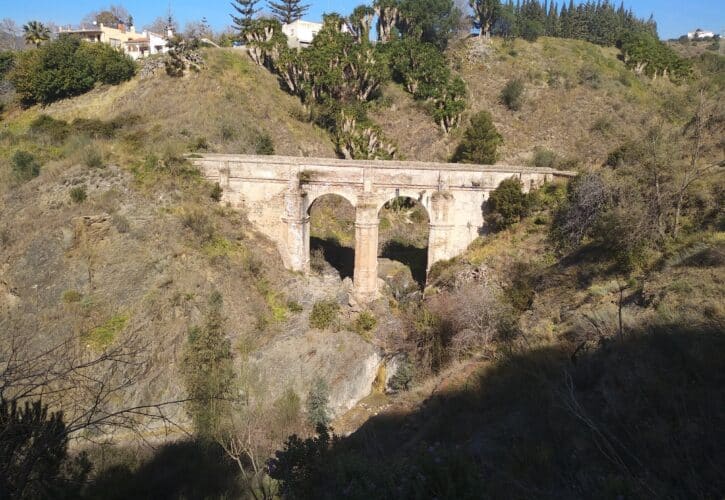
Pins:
x: 101, y: 337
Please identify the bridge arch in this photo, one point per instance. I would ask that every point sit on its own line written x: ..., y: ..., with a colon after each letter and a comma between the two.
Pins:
x: 314, y: 195
x: 404, y: 234
x: 331, y: 232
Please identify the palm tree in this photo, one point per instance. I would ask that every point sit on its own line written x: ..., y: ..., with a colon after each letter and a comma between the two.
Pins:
x: 36, y: 33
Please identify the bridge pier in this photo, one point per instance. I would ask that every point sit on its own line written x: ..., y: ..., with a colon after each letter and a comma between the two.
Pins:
x: 297, y: 235
x: 365, y: 279
x: 440, y: 230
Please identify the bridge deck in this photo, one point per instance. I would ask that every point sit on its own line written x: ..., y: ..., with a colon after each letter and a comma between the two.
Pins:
x: 297, y: 161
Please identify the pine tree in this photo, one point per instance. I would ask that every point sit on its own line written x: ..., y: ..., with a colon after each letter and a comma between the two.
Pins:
x: 246, y: 9
x: 288, y: 11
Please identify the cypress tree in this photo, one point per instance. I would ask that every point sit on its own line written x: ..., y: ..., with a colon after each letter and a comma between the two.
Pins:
x: 288, y: 11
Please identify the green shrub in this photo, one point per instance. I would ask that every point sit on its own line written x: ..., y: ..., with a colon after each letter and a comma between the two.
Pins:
x: 365, y: 323
x: 199, y: 144
x: 24, y: 166
x: 7, y: 60
x: 294, y: 306
x: 216, y: 192
x: 402, y: 379
x: 512, y: 94
x: 199, y: 223
x: 78, y: 194
x: 507, y: 204
x: 108, y: 64
x: 93, y: 158
x: 324, y: 314
x: 520, y: 293
x: 103, y: 336
x: 96, y: 129
x: 67, y: 67
x: 531, y: 30
x: 480, y: 141
x: 545, y: 158
x: 47, y: 127
x: 318, y: 402
x: 265, y: 145
x: 71, y: 296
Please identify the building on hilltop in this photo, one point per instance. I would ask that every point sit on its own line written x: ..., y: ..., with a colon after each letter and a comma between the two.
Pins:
x: 128, y: 40
x: 301, y: 33
x: 699, y: 34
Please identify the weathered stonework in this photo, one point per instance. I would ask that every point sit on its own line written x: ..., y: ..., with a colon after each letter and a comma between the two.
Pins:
x: 277, y: 193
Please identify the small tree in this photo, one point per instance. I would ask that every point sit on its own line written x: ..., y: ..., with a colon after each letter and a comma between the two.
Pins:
x: 246, y: 9
x: 36, y: 33
x: 208, y: 371
x: 318, y: 402
x: 288, y: 11
x: 34, y: 460
x: 486, y: 12
x: 507, y: 203
x: 480, y: 141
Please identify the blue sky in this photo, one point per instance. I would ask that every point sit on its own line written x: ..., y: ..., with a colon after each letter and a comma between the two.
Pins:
x: 674, y: 17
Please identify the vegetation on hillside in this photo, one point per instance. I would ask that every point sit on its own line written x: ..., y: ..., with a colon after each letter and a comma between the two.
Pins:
x: 67, y: 67
x: 568, y: 328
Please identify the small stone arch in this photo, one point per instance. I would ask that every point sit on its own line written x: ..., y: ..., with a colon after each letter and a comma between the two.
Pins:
x: 412, y: 249
x: 328, y: 243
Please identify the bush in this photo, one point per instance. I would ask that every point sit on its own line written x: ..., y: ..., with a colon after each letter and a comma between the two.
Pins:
x: 93, y: 158
x: 324, y: 314
x: 512, y: 94
x: 24, y: 166
x: 545, y: 158
x: 265, y: 145
x: 480, y: 141
x: 318, y: 401
x: 199, y: 223
x: 71, y: 296
x: 44, y: 126
x: 216, y: 192
x: 7, y: 60
x: 531, y: 30
x: 78, y: 194
x: 403, y: 377
x: 108, y: 64
x: 365, y: 322
x: 507, y: 204
x: 96, y: 129
x: 67, y: 67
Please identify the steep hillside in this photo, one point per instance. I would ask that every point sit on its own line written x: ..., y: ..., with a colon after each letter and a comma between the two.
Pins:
x: 118, y: 243
x: 580, y: 101
x: 516, y: 367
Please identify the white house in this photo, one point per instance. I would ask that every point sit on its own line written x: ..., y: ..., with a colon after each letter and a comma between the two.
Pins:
x: 699, y: 34
x: 136, y: 45
x: 301, y: 33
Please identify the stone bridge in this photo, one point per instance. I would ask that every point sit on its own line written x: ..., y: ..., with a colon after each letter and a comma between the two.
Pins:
x: 277, y: 193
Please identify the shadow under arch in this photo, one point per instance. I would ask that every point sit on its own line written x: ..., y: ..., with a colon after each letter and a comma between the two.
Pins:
x: 332, y: 234
x: 403, y: 235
